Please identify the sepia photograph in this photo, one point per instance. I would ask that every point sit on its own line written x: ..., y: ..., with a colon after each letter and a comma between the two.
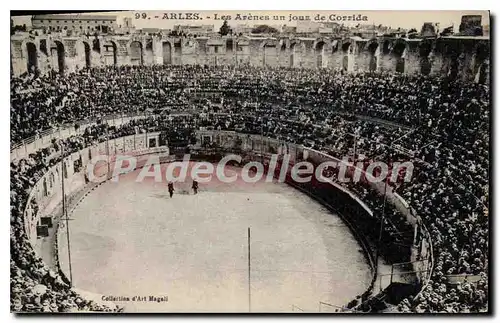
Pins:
x: 300, y: 162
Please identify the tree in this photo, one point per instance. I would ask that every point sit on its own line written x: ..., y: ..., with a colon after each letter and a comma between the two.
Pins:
x: 264, y: 29
x: 224, y: 29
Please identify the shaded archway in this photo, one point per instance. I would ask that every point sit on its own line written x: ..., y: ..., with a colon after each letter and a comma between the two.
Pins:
x: 292, y: 54
x: 451, y: 51
x: 136, y: 57
x: 282, y: 60
x: 481, y: 64
x: 320, y: 51
x: 110, y: 50
x: 59, y: 51
x: 399, y: 53
x: 87, y: 50
x: 269, y: 57
x: 167, y: 53
x: 345, y: 55
x: 229, y: 45
x: 32, y: 57
x: 96, y: 46
x: 148, y: 52
x: 335, y: 46
x: 373, y: 53
x: 386, y: 47
x: 424, y: 50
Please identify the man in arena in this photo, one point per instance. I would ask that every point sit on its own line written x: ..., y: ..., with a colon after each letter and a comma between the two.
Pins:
x: 195, y: 187
x: 171, y: 189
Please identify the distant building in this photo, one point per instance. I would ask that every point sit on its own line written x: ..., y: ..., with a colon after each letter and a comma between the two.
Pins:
x: 194, y: 29
x: 126, y: 27
x: 127, y: 22
x: 471, y: 26
x: 325, y: 30
x: 242, y: 28
x: 78, y: 23
x: 428, y: 30
x: 289, y: 29
x: 151, y: 31
x: 307, y: 27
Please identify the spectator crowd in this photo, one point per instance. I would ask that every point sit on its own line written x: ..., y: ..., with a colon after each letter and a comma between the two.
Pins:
x: 441, y: 125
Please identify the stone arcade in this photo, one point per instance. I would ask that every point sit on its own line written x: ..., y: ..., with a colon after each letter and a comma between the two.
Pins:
x: 466, y: 58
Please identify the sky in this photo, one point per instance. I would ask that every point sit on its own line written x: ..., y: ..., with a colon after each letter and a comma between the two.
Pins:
x: 395, y: 19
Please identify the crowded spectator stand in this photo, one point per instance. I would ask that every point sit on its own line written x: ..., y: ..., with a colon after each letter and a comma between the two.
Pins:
x: 441, y: 125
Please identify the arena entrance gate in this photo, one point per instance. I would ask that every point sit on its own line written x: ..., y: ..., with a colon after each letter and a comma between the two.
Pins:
x: 481, y: 65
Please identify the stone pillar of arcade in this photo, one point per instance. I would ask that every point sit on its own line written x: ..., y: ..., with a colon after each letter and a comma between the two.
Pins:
x: 412, y: 57
x: 19, y: 55
x: 362, y: 55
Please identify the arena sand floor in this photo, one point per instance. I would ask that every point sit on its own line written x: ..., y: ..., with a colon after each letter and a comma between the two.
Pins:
x: 130, y: 239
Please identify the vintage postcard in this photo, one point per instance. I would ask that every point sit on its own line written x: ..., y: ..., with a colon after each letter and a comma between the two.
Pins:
x: 250, y: 162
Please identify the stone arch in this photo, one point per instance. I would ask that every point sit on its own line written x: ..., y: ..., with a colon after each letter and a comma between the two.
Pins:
x: 452, y: 53
x: 269, y: 55
x: 292, y: 54
x: 189, y: 46
x: 148, y: 52
x: 268, y: 42
x: 136, y: 53
x: 167, y: 53
x: 346, y: 46
x: 373, y: 50
x: 386, y: 47
x: 319, y: 45
x: 481, y: 62
x: 59, y: 52
x: 282, y: 46
x: 282, y: 52
x: 424, y: 51
x: 96, y: 45
x: 335, y: 46
x: 110, y: 53
x: 88, y: 56
x: 319, y: 50
x: 399, y: 52
x: 32, y: 57
x: 295, y: 49
x: 230, y: 45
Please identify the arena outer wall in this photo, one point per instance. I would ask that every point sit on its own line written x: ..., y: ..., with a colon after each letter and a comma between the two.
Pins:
x: 462, y: 57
